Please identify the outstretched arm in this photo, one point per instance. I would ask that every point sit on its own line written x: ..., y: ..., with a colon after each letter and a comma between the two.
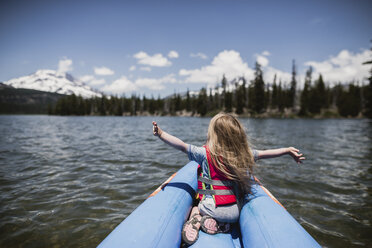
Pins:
x: 273, y: 153
x: 169, y: 139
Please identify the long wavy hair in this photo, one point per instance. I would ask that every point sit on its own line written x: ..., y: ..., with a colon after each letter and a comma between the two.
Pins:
x: 230, y: 151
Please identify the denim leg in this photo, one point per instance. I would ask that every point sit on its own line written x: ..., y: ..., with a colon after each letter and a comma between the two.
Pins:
x: 226, y: 214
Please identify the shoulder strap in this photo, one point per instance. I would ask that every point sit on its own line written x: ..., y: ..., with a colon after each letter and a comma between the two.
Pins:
x: 237, y: 195
x: 215, y: 192
x: 215, y: 182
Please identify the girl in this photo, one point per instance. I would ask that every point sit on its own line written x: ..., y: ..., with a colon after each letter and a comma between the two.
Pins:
x: 226, y: 170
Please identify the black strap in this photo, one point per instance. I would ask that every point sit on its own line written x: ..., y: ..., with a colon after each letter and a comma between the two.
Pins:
x: 237, y: 195
x: 215, y: 192
x: 215, y: 182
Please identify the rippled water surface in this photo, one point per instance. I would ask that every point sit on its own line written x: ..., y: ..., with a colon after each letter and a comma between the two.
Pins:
x: 68, y: 181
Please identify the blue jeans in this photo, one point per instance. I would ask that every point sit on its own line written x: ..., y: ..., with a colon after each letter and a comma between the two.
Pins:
x: 226, y: 214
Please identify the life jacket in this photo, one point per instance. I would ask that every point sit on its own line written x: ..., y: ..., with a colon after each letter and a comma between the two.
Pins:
x: 217, y: 185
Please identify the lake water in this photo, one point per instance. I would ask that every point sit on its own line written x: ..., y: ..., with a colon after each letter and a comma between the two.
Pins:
x: 69, y: 181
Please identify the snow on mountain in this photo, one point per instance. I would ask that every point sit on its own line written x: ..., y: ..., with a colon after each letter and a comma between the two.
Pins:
x: 53, y: 81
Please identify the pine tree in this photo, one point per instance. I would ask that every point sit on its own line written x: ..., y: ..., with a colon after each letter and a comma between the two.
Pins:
x: 119, y: 107
x: 348, y: 103
x: 292, y: 90
x: 188, y: 102
x: 267, y: 97
x: 160, y: 104
x: 202, y: 102
x: 81, y: 105
x: 368, y: 93
x: 281, y: 97
x: 259, y: 90
x: 274, y: 95
x: 224, y: 84
x: 318, y: 96
x: 144, y: 104
x: 244, y: 87
x: 101, y: 107
x: 305, y: 95
x: 211, y: 105
x: 321, y: 89
x: 133, y: 110
x: 178, y: 102
x: 152, y: 105
x: 240, y: 98
x: 217, y: 97
x: 228, y: 101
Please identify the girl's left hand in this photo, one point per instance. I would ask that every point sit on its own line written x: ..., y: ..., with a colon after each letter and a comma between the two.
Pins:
x: 156, y: 131
x: 296, y: 155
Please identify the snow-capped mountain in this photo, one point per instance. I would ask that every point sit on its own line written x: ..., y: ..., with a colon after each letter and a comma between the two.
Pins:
x: 53, y: 81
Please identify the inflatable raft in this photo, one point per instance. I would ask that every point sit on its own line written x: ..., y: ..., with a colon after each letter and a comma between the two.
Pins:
x: 158, y: 221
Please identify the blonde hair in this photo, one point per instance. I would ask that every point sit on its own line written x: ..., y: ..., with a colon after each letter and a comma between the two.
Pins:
x: 230, y: 150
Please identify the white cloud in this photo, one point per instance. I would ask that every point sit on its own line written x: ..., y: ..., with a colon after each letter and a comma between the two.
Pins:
x: 173, y: 54
x: 262, y: 60
x: 132, y: 68
x: 156, y: 83
x: 232, y: 65
x: 344, y: 67
x: 140, y: 55
x: 226, y: 62
x: 198, y: 55
x: 145, y: 68
x: 65, y: 65
x: 91, y: 80
x: 103, y: 71
x: 155, y: 60
x: 86, y: 78
x: 125, y: 85
x: 96, y: 82
x: 120, y: 86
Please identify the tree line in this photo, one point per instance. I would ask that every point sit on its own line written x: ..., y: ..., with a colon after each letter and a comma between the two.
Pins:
x: 254, y: 98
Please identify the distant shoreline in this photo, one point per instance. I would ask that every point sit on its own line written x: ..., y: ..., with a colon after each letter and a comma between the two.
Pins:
x: 208, y: 115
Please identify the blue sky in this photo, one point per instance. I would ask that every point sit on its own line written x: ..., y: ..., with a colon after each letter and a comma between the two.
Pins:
x: 159, y: 47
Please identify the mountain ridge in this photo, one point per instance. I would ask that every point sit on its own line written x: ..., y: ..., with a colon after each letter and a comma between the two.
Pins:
x: 54, y: 82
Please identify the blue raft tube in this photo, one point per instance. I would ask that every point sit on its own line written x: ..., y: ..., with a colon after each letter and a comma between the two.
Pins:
x: 158, y: 221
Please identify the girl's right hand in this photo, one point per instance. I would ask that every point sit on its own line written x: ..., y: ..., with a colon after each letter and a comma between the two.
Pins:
x: 295, y: 153
x: 156, y: 130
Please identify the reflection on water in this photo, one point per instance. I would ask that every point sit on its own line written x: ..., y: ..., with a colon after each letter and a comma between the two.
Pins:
x: 68, y: 181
